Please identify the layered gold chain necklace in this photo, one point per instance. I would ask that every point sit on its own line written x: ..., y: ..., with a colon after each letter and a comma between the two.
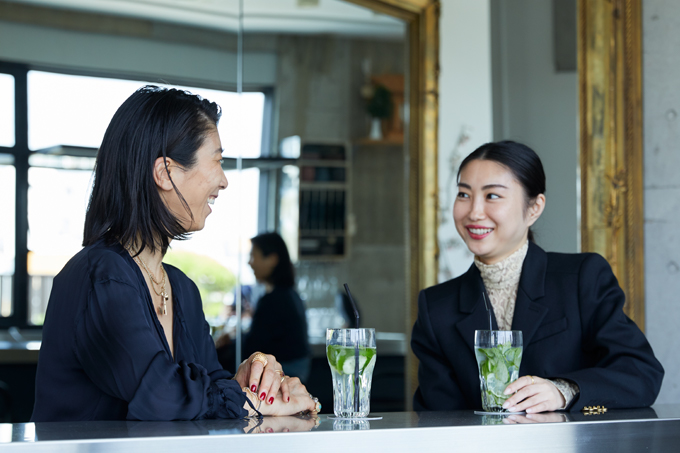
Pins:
x: 163, y: 310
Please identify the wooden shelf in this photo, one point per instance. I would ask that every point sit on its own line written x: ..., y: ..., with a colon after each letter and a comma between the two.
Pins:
x: 369, y: 142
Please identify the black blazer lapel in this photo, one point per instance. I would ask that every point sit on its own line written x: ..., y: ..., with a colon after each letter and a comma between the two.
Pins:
x: 472, y: 309
x: 529, y: 312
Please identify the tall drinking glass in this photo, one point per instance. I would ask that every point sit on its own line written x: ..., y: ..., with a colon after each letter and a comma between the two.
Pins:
x: 351, y: 393
x: 499, y: 354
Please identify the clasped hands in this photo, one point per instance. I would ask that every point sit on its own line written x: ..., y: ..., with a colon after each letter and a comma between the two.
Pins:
x: 280, y: 394
x: 533, y: 394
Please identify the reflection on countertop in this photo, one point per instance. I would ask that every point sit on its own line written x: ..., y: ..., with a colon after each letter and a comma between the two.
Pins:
x: 656, y: 429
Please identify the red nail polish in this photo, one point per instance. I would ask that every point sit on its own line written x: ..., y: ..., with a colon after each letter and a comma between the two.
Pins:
x: 289, y: 399
x: 270, y: 430
x: 253, y: 388
x: 271, y: 400
x: 263, y: 396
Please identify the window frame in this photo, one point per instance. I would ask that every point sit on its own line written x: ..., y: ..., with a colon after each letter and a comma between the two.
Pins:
x: 21, y: 154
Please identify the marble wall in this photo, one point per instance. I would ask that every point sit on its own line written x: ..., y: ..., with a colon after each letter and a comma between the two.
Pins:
x: 661, y: 107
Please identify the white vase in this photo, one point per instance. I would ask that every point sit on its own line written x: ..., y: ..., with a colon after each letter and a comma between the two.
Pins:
x: 376, y: 129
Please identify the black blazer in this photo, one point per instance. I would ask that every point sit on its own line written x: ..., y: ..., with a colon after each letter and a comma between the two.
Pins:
x: 569, y: 308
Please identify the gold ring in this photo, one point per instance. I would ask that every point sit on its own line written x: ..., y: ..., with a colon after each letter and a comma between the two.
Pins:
x: 317, y: 407
x: 279, y: 372
x: 259, y: 357
x: 532, y: 379
x: 283, y: 378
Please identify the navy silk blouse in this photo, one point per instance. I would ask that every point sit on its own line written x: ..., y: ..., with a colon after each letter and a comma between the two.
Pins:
x: 104, y: 354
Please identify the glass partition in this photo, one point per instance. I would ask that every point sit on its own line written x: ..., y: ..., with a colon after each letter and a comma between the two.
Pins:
x: 334, y: 186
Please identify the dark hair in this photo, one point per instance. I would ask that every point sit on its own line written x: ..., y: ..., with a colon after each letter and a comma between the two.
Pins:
x: 521, y: 160
x: 125, y: 205
x: 283, y: 274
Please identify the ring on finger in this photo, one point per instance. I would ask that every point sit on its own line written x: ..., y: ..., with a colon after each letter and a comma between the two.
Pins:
x: 532, y: 379
x: 259, y: 357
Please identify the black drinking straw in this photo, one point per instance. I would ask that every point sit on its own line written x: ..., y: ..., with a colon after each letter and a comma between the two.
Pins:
x: 356, y: 350
x: 486, y: 304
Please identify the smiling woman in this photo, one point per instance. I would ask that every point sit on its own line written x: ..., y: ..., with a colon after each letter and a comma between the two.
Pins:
x: 124, y: 335
x: 189, y: 192
x: 580, y: 349
x: 493, y: 203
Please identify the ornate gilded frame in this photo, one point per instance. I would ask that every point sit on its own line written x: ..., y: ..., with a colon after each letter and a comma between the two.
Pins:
x: 422, y: 17
x: 610, y: 92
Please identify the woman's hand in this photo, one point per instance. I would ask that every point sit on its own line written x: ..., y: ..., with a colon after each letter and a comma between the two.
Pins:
x: 265, y: 381
x: 300, y: 401
x: 533, y: 394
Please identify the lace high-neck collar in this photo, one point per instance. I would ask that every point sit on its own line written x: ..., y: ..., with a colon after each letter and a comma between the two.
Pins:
x: 505, y: 273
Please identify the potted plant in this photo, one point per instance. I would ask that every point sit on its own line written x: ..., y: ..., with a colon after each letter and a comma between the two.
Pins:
x: 379, y: 105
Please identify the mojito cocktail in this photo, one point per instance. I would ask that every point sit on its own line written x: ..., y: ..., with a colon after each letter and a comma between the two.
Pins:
x: 343, y: 346
x: 499, y: 354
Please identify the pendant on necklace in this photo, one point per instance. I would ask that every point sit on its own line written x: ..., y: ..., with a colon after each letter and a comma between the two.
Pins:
x: 164, y: 304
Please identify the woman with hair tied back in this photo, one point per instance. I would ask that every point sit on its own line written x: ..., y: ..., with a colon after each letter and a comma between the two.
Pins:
x: 279, y: 323
x: 579, y: 348
x: 124, y: 334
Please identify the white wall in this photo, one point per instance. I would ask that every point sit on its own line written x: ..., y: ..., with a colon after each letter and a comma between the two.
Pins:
x: 536, y: 105
x: 661, y: 106
x: 500, y: 83
x: 464, y: 111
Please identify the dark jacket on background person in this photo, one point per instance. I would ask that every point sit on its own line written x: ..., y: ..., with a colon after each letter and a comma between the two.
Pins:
x: 569, y: 308
x: 279, y: 326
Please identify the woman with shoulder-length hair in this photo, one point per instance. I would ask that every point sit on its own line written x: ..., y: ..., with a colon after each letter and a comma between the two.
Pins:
x: 279, y: 323
x: 579, y: 348
x: 124, y: 334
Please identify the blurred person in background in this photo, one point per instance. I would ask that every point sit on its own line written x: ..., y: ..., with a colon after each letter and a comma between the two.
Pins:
x: 279, y: 323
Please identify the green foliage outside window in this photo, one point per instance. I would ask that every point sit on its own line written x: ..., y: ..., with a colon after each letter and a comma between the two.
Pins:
x: 214, y: 281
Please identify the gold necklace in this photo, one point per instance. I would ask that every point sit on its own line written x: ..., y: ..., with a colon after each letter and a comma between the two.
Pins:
x: 163, y: 310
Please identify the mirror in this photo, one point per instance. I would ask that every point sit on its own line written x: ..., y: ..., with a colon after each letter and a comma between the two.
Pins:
x: 313, y: 79
x: 339, y: 195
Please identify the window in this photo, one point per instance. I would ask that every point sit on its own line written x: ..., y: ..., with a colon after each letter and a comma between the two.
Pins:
x: 66, y: 117
x: 61, y: 111
x: 57, y: 201
x: 225, y: 243
x: 7, y: 237
x: 6, y: 110
x: 72, y: 110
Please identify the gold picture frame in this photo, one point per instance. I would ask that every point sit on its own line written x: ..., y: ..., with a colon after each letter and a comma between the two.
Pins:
x: 610, y: 98
x: 422, y: 19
